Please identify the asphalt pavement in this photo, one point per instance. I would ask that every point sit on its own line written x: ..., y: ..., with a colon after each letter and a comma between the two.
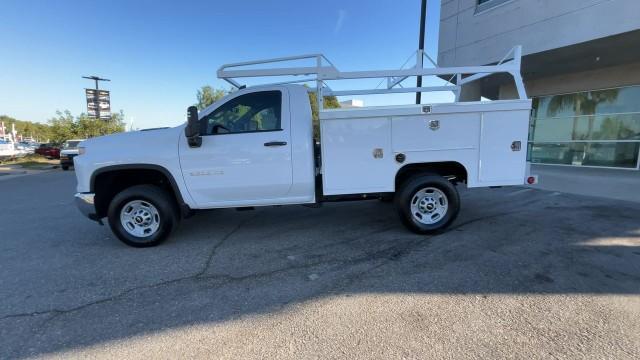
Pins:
x: 522, y: 273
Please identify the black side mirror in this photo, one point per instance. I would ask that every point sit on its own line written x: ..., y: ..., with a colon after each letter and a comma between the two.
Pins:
x: 192, y: 130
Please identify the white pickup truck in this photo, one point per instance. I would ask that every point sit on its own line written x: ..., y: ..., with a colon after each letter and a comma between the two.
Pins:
x: 255, y: 147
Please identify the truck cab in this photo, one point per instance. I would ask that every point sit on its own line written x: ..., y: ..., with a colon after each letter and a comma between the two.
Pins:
x: 256, y: 149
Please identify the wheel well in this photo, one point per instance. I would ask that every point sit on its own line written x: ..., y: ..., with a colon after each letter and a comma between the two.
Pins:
x: 452, y: 170
x: 106, y: 184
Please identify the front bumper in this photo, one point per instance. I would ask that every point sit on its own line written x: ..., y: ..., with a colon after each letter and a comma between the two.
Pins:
x: 86, y: 205
x: 67, y: 159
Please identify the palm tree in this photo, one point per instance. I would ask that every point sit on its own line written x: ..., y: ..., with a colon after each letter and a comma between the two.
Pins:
x: 582, y: 103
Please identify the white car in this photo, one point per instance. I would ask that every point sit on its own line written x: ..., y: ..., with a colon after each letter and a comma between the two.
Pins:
x: 68, y: 152
x: 255, y: 147
x: 7, y: 149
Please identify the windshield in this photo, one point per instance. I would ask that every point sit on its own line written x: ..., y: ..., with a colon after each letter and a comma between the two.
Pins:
x: 71, y: 144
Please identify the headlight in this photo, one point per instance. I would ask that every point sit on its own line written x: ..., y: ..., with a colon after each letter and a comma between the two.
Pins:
x: 81, y: 150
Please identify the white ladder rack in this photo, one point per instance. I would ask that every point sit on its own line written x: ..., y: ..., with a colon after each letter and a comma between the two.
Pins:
x: 324, y: 70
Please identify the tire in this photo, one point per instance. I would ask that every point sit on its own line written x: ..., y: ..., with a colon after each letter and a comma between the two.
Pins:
x: 427, y: 203
x: 148, y: 213
x: 65, y: 167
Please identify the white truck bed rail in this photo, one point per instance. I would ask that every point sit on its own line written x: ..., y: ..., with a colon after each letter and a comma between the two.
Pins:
x: 324, y: 70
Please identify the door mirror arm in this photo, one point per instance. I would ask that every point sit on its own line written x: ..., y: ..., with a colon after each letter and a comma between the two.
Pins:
x: 192, y: 130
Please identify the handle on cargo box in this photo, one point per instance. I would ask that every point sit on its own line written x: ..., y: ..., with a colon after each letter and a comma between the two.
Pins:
x: 275, y: 143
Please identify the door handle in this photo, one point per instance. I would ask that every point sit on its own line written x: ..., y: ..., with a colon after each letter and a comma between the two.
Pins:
x: 275, y: 143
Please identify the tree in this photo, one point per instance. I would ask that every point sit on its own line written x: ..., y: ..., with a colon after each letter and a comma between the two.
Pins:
x: 62, y: 126
x: 207, y: 95
x: 40, y: 132
x: 582, y: 103
x: 89, y: 127
x: 330, y: 102
x: 65, y: 126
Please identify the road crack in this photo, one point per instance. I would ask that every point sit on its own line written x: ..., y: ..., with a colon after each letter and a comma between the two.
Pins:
x: 199, y: 274
x: 390, y: 254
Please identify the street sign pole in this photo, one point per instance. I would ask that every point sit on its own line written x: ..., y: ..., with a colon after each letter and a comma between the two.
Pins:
x: 420, y: 54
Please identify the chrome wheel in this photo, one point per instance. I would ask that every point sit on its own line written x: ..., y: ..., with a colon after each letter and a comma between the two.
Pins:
x: 429, y: 205
x: 140, y: 218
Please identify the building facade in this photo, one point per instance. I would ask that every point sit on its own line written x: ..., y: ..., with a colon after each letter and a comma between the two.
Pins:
x: 581, y: 67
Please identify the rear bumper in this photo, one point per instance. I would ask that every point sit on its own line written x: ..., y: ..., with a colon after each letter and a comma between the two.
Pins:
x: 86, y: 205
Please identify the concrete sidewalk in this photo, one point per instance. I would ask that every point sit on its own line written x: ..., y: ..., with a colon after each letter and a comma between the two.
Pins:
x: 608, y: 183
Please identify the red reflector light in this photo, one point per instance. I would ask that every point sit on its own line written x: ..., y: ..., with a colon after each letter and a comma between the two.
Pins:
x: 531, y: 180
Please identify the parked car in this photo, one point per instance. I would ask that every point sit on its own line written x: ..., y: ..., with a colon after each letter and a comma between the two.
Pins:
x: 68, y: 152
x: 255, y: 147
x: 7, y: 150
x: 49, y: 151
x: 24, y: 148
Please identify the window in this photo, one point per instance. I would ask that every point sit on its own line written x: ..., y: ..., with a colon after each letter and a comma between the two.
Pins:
x: 259, y: 111
x: 488, y: 4
x: 70, y: 144
x: 590, y: 128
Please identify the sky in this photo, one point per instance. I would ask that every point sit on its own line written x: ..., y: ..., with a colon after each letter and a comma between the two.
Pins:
x: 158, y: 53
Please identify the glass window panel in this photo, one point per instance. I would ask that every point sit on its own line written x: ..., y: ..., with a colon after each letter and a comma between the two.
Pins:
x: 553, y: 129
x: 615, y: 127
x: 623, y: 100
x: 597, y: 102
x: 603, y: 127
x: 623, y: 155
x: 258, y: 111
x: 595, y: 118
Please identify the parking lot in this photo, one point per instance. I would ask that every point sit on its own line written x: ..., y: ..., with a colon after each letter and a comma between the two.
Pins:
x: 522, y: 273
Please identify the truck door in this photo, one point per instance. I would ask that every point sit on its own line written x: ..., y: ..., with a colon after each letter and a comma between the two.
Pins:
x: 245, y: 157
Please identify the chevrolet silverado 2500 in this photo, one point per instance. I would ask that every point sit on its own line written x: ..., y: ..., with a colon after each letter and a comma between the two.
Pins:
x: 255, y: 147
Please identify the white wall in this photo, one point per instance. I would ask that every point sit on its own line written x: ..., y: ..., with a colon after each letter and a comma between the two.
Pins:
x: 470, y: 38
x: 610, y: 77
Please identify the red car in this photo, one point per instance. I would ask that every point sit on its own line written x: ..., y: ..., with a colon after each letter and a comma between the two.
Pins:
x: 48, y: 150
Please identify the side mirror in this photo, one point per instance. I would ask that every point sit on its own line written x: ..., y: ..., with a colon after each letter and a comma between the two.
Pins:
x: 192, y: 130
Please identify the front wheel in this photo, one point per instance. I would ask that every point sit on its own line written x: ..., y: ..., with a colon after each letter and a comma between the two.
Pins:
x: 142, y: 215
x: 427, y: 203
x: 65, y: 167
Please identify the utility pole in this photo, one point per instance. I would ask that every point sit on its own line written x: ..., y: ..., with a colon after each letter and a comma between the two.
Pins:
x: 420, y: 55
x: 96, y: 79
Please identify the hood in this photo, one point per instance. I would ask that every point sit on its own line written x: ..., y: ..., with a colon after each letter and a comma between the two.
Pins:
x: 134, y: 143
x: 131, y: 137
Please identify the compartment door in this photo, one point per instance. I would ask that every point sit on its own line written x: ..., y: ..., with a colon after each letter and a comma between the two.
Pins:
x: 501, y: 162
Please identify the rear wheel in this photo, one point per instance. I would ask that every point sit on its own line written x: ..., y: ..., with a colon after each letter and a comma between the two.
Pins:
x: 427, y: 203
x: 142, y: 215
x: 65, y: 167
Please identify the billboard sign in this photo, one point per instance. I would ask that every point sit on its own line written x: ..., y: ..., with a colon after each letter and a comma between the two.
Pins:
x: 98, y: 104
